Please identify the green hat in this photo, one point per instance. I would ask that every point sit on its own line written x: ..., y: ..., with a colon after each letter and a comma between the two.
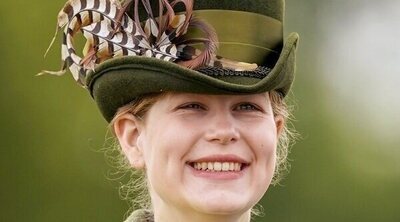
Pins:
x: 202, y: 46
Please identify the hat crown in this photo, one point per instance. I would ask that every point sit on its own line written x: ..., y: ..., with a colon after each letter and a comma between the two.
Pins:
x: 248, y: 30
x: 271, y: 8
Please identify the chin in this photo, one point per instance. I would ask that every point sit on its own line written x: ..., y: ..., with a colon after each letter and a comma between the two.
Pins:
x: 223, y: 203
x: 225, y: 210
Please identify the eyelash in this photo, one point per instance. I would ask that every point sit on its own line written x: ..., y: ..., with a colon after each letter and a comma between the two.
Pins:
x: 239, y: 107
x: 192, y: 106
x: 248, y: 107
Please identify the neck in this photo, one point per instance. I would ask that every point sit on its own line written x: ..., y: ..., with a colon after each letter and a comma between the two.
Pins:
x: 167, y: 213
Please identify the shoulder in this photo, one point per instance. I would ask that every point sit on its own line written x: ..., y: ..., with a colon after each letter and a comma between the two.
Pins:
x: 141, y: 215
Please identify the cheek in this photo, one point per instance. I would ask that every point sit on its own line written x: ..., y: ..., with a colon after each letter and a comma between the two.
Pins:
x: 165, y: 148
x: 266, y: 149
x: 266, y: 162
x: 269, y: 143
x: 267, y: 157
x: 164, y: 155
x: 267, y: 137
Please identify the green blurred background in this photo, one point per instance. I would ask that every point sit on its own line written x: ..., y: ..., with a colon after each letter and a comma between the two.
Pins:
x: 346, y: 167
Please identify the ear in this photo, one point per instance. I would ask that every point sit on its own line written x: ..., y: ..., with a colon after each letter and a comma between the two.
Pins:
x: 128, y: 128
x: 279, y: 123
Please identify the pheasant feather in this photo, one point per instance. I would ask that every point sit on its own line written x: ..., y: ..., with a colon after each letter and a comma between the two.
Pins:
x: 110, y: 32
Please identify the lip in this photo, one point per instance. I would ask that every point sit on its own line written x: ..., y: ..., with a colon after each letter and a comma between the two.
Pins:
x: 219, y: 175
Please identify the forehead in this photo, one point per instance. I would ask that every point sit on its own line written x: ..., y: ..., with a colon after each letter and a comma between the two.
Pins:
x: 179, y: 96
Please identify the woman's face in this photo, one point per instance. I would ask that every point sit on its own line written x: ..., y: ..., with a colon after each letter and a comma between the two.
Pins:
x: 210, y: 154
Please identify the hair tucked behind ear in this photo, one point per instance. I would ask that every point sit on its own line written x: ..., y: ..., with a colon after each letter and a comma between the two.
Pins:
x: 134, y: 186
x: 286, y: 138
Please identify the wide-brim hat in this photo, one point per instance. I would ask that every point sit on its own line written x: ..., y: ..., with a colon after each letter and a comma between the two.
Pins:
x: 248, y: 32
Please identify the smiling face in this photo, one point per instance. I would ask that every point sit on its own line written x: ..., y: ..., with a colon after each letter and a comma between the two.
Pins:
x: 204, y: 154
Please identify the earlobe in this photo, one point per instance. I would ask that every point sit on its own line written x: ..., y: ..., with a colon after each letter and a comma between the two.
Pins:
x: 280, y: 124
x: 128, y: 129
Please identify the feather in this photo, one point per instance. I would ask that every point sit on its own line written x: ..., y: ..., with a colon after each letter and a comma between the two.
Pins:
x: 121, y: 14
x: 210, y: 45
x: 52, y: 42
x: 137, y: 19
x: 166, y: 17
x: 188, y: 15
x: 110, y: 32
x: 233, y: 65
x: 87, y: 61
x: 73, y: 17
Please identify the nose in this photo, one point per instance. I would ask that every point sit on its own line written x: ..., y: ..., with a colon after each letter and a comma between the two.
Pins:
x: 222, y: 129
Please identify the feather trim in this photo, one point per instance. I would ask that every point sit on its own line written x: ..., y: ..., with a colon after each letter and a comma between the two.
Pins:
x: 110, y: 32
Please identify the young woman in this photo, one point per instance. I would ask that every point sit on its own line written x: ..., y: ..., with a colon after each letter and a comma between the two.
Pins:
x: 205, y: 157
x: 194, y: 94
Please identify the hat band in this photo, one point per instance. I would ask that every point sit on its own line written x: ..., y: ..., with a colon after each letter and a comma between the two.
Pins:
x: 244, y: 36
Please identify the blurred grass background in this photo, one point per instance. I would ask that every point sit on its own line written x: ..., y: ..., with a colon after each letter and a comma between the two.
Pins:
x: 346, y: 167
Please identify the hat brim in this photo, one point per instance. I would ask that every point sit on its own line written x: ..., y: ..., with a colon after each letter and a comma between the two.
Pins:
x: 118, y: 81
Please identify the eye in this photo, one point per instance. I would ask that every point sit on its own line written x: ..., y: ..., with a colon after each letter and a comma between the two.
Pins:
x: 247, y: 107
x: 194, y: 106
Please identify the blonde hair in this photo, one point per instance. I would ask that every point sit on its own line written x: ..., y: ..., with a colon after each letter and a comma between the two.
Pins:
x: 134, y: 189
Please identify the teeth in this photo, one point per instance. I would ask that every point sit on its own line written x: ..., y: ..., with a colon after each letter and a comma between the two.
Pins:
x: 218, y: 166
x: 237, y: 166
x: 210, y: 166
x: 231, y: 166
x: 203, y: 165
x: 225, y: 166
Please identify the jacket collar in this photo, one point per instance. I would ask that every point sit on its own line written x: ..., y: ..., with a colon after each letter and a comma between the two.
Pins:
x: 141, y: 215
